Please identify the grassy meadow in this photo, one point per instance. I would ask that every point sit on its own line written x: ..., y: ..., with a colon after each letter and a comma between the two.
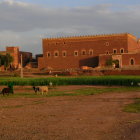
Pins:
x: 132, y: 108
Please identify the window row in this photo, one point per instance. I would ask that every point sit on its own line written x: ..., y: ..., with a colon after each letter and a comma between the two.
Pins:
x: 115, y: 51
x: 75, y: 53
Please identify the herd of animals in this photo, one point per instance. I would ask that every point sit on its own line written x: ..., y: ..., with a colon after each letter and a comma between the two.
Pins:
x: 37, y: 89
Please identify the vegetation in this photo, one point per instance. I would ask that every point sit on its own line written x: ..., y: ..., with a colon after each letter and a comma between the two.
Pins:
x: 83, y: 80
x: 134, y: 107
x: 110, y: 62
x: 6, y: 60
x: 80, y: 91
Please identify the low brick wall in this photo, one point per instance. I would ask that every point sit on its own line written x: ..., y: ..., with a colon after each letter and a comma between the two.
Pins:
x: 121, y: 72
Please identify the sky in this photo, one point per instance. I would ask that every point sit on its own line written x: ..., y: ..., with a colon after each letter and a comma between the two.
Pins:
x: 25, y: 22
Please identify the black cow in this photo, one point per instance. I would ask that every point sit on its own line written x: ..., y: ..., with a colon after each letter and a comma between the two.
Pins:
x: 6, y: 91
x: 36, y: 89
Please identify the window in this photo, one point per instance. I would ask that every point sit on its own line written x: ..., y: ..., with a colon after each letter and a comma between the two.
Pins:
x: 90, y: 52
x: 56, y: 54
x: 107, y: 52
x: 75, y: 53
x: 48, y: 54
x: 64, y: 53
x: 131, y: 61
x: 121, y: 50
x: 114, y: 51
x: 83, y: 52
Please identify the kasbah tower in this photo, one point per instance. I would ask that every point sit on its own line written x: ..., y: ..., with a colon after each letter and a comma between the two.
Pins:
x: 92, y: 51
x: 14, y: 52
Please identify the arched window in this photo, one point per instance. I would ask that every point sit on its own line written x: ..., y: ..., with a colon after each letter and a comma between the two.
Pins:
x: 114, y: 51
x: 121, y: 50
x: 132, y: 61
x: 75, y: 53
x: 90, y: 52
x: 83, y: 52
x: 56, y: 54
x: 64, y: 53
x: 107, y: 52
x: 48, y: 54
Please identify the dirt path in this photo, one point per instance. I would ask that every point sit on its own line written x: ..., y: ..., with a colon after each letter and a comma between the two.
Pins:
x: 95, y: 117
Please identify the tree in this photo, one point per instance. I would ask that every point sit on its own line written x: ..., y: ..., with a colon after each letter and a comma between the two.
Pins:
x: 6, y: 60
x: 0, y: 60
x: 109, y: 62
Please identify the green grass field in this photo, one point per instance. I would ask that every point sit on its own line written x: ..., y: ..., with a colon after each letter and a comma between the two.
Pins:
x: 131, y: 83
x: 82, y: 91
x: 83, y: 80
x: 134, y: 107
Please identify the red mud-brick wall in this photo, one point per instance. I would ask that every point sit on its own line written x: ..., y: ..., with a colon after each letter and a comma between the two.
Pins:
x: 126, y: 58
x: 26, y: 57
x: 99, y: 44
x: 121, y: 72
x: 14, y: 51
x: 133, y: 44
x: 41, y: 63
x: 103, y: 59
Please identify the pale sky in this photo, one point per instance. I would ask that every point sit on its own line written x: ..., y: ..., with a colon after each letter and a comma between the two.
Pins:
x: 24, y: 22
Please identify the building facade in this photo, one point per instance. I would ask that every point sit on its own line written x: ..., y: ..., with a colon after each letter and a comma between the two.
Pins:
x: 16, y: 54
x: 91, y: 51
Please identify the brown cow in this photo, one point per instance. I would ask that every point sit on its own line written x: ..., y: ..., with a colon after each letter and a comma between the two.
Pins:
x: 41, y: 89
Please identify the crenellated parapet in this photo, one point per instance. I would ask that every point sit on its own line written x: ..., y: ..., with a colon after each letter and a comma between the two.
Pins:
x: 89, y: 37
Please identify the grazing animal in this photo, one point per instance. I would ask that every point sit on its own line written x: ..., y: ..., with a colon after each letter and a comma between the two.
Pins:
x: 138, y: 84
x: 36, y: 89
x: 6, y: 91
x: 41, y: 89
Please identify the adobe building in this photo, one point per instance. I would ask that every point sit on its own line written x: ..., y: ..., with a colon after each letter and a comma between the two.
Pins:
x: 91, y: 51
x: 15, y: 53
x: 26, y: 57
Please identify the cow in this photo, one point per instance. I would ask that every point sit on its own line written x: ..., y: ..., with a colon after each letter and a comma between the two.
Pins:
x: 36, y: 89
x: 6, y: 91
x: 41, y: 89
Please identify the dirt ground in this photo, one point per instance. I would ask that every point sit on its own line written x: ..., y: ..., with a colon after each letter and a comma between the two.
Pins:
x: 94, y: 117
